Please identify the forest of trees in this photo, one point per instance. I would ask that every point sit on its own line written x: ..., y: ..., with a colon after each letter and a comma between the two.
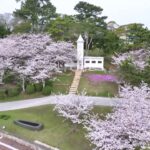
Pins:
x: 101, y: 38
x: 36, y: 16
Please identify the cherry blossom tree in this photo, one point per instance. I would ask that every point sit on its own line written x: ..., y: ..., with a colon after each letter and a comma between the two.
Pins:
x: 21, y: 49
x: 34, y: 56
x: 43, y: 68
x: 73, y: 107
x: 138, y: 57
x: 62, y: 52
x: 4, y: 64
x: 128, y: 126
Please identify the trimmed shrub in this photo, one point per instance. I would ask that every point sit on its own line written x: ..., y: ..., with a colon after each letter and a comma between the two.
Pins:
x: 49, y: 83
x: 9, y: 77
x: 19, y: 88
x: 4, y: 117
x: 13, y: 92
x: 38, y: 87
x: 47, y: 90
x: 2, y: 93
x: 30, y: 89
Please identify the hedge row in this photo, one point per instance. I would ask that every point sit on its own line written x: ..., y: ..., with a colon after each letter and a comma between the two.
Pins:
x: 30, y: 89
x: 9, y: 92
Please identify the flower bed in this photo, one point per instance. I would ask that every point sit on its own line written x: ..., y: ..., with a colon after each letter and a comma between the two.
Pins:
x: 96, y: 78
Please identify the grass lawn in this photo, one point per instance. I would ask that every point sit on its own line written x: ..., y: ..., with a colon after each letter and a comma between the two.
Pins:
x: 56, y: 132
x: 62, y: 83
x: 60, y: 86
x: 104, y: 88
x: 22, y: 97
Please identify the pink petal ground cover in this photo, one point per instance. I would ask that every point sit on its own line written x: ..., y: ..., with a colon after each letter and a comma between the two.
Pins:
x: 101, y: 77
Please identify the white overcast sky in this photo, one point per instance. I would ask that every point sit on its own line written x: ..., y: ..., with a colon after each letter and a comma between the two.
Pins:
x: 121, y: 11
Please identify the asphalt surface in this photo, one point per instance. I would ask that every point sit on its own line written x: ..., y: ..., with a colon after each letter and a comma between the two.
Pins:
x: 21, y: 104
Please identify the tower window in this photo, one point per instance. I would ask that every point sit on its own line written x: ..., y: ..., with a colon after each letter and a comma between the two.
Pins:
x: 87, y: 62
x: 93, y: 62
x: 99, y: 62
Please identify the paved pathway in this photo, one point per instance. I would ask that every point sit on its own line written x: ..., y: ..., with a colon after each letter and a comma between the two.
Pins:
x: 75, y: 83
x: 52, y: 100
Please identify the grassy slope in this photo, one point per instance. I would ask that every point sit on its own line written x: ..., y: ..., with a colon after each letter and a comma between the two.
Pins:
x: 63, y: 82
x: 61, y: 86
x: 56, y: 132
x: 22, y: 97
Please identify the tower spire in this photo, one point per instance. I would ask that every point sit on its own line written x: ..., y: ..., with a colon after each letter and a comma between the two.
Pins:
x: 80, y: 53
x: 80, y: 39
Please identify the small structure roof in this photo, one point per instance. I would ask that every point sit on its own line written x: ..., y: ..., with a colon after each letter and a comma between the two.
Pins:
x: 80, y: 39
x: 92, y: 57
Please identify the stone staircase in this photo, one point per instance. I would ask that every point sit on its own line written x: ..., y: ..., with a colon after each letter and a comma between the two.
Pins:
x: 75, y: 83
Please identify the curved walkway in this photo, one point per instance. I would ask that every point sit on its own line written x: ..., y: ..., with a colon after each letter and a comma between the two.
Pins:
x: 6, y: 106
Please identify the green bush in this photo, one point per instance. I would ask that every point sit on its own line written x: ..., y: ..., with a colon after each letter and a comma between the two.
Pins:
x: 9, y: 77
x: 4, y: 117
x: 13, y: 92
x: 30, y: 89
x: 130, y: 73
x: 2, y: 93
x: 38, y: 87
x: 19, y: 87
x: 47, y: 90
x: 49, y: 83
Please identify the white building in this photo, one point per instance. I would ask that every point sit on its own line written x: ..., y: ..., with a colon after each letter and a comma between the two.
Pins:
x: 87, y: 62
x: 93, y: 63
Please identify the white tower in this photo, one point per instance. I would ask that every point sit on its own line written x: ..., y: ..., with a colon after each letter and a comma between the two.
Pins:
x: 80, y: 52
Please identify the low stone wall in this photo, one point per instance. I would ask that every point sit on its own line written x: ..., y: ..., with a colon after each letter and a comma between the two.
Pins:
x: 20, y: 141
x: 37, y: 145
x: 45, y: 146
